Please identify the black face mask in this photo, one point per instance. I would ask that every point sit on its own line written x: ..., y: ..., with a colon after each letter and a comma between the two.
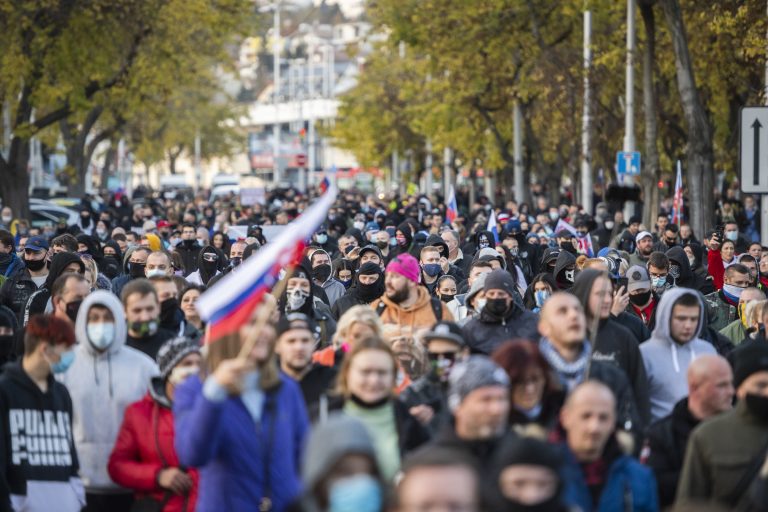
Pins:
x: 640, y: 299
x: 136, y: 270
x: 189, y: 243
x: 568, y: 246
x: 321, y: 273
x: 34, y: 265
x: 235, y: 262
x: 758, y: 406
x: 370, y: 292
x: 72, y: 309
x: 496, y: 307
x: 168, y: 310
x: 7, y: 342
x: 447, y: 297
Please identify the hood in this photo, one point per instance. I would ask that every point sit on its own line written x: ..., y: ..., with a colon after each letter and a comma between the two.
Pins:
x: 698, y: 254
x: 94, y: 249
x: 491, y: 239
x: 678, y: 256
x: 58, y: 263
x: 405, y: 228
x: 564, y: 259
x: 220, y: 263
x: 582, y: 287
x: 664, y: 311
x: 111, y: 302
x: 308, y: 307
x: 437, y: 241
x: 114, y: 245
x: 126, y: 259
x: 357, y: 234
x: 157, y: 392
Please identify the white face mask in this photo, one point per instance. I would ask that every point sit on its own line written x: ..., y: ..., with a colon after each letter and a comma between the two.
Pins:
x: 182, y: 373
x: 101, y: 335
x: 358, y: 225
x: 479, y: 305
x: 7, y: 219
x: 155, y: 272
x: 296, y: 298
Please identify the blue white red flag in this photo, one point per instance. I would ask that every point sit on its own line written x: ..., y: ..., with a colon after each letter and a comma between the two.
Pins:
x: 492, y: 227
x: 229, y: 304
x: 677, y: 204
x: 451, y: 209
x: 329, y: 178
x: 585, y: 242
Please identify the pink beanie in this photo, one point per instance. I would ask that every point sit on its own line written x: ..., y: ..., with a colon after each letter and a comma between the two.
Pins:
x: 405, y: 265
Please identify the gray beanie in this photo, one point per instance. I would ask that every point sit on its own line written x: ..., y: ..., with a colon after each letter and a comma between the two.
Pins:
x: 329, y: 441
x: 474, y: 373
x: 173, y: 351
x: 500, y: 280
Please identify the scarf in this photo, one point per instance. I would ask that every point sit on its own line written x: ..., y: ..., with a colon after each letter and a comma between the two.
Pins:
x: 571, y: 373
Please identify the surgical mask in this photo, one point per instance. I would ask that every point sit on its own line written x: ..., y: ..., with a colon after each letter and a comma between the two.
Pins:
x: 514, y: 252
x: 609, y: 224
x: 757, y: 405
x: 393, y: 242
x: 382, y: 244
x: 732, y: 235
x: 101, y: 335
x: 346, y: 282
x: 155, y: 272
x: 181, y: 373
x: 674, y: 271
x: 358, y: 224
x: 101, y: 232
x: 401, y: 240
x: 34, y: 265
x: 480, y: 305
x: 321, y: 273
x: 201, y: 242
x: 496, y: 307
x: 136, y: 270
x: 691, y: 261
x: 541, y: 297
x: 72, y: 308
x: 483, y: 243
x: 321, y: 239
x: 7, y: 219
x: 554, y: 215
x: 296, y: 299
x: 67, y: 358
x: 359, y: 493
x: 175, y: 241
x: 144, y: 329
x: 640, y: 299
x: 447, y: 297
x: 432, y: 269
x: 659, y: 282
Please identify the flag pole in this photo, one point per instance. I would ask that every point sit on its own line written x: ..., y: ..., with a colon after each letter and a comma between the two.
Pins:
x: 264, y: 313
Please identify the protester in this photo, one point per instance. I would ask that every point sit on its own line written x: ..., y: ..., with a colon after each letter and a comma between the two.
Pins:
x: 105, y: 377
x: 142, y: 314
x: 35, y: 409
x: 17, y: 290
x: 368, y: 286
x: 358, y: 323
x: 214, y: 417
x: 144, y: 458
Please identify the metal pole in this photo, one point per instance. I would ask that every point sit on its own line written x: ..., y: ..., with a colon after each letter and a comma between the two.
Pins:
x: 311, y: 128
x: 517, y: 143
x: 428, y: 161
x: 586, y: 157
x: 198, y: 171
x: 447, y: 157
x: 629, y: 107
x: 276, y: 75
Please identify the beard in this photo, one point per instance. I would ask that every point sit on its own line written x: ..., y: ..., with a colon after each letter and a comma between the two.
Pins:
x: 398, y: 296
x: 298, y: 366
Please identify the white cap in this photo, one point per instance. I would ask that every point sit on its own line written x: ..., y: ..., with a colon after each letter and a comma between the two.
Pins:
x: 642, y: 235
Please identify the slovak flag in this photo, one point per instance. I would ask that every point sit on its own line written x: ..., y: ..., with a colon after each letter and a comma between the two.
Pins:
x: 230, y: 302
x: 492, y: 226
x: 327, y: 180
x: 677, y: 204
x: 451, y: 210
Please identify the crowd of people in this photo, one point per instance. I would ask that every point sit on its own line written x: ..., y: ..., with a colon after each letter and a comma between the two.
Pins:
x: 407, y: 363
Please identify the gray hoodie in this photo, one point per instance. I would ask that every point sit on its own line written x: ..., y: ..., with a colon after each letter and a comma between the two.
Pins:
x: 102, y: 385
x: 666, y: 361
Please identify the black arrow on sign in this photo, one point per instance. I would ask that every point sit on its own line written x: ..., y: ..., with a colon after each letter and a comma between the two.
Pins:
x: 756, y: 177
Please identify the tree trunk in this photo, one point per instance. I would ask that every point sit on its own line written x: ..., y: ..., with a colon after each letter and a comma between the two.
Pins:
x: 700, y: 155
x: 78, y: 152
x: 651, y: 169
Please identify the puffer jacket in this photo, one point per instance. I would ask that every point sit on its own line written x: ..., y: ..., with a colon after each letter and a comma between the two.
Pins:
x: 144, y: 447
x: 102, y: 386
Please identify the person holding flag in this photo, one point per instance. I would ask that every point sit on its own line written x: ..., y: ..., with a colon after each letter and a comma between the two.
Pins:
x: 677, y: 205
x: 244, y: 424
x: 492, y: 227
x: 451, y: 209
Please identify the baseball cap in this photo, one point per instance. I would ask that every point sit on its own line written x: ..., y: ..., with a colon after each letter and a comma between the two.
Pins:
x: 37, y: 243
x: 641, y: 235
x: 637, y: 278
x: 445, y: 330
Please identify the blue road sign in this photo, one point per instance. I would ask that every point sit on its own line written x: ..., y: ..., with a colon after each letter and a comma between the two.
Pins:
x: 628, y: 162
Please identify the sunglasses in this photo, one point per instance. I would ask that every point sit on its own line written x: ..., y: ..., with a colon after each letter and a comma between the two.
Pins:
x: 435, y: 356
x: 210, y: 257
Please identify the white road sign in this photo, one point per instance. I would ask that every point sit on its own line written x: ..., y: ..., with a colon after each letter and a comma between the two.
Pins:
x: 754, y: 150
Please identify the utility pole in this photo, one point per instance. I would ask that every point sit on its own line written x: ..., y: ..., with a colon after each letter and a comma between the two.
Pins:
x: 517, y: 145
x: 764, y: 198
x: 428, y: 161
x: 586, y: 156
x: 447, y: 172
x: 629, y: 107
x: 311, y: 121
x: 198, y: 171
x: 276, y: 92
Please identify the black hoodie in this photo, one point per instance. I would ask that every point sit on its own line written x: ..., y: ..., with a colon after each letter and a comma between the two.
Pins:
x: 38, y: 451
x: 564, y: 260
x: 39, y: 300
x: 687, y: 279
x: 615, y: 344
x: 323, y: 320
x: 209, y: 269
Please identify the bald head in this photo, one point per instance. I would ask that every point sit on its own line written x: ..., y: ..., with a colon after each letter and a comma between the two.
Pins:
x: 750, y: 294
x: 589, y: 419
x: 710, y: 386
x: 562, y: 320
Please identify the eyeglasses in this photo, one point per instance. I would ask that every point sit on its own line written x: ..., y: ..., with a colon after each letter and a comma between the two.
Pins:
x: 436, y: 356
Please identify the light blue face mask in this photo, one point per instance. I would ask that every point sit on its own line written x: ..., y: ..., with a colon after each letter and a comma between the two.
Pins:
x: 359, y: 493
x: 659, y: 282
x: 541, y: 296
x: 67, y: 358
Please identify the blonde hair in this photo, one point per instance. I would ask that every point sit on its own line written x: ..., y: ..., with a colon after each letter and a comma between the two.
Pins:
x: 356, y: 314
x: 596, y: 263
x: 753, y: 314
x: 91, y: 269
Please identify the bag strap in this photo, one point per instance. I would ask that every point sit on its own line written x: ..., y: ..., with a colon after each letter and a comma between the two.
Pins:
x: 266, y: 501
x: 380, y: 307
x: 748, y: 476
x: 437, y: 308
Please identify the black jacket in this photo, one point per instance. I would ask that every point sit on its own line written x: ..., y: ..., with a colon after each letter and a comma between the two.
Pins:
x: 428, y: 390
x: 551, y: 403
x: 31, y: 419
x: 665, y: 445
x: 634, y: 324
x: 316, y: 383
x: 688, y: 278
x: 482, y: 451
x: 151, y: 344
x: 16, y: 292
x: 484, y: 333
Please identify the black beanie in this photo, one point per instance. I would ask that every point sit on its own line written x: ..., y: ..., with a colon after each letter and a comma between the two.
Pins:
x: 500, y: 279
x: 530, y: 452
x: 750, y: 359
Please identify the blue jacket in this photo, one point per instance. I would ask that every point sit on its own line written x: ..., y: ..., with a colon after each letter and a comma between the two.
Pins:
x: 230, y: 450
x: 628, y: 486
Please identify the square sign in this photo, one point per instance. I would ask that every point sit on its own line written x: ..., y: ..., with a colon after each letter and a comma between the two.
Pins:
x: 754, y: 150
x: 628, y: 162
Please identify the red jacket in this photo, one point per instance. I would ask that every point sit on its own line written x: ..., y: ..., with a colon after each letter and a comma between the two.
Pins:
x: 716, y: 268
x: 135, y: 463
